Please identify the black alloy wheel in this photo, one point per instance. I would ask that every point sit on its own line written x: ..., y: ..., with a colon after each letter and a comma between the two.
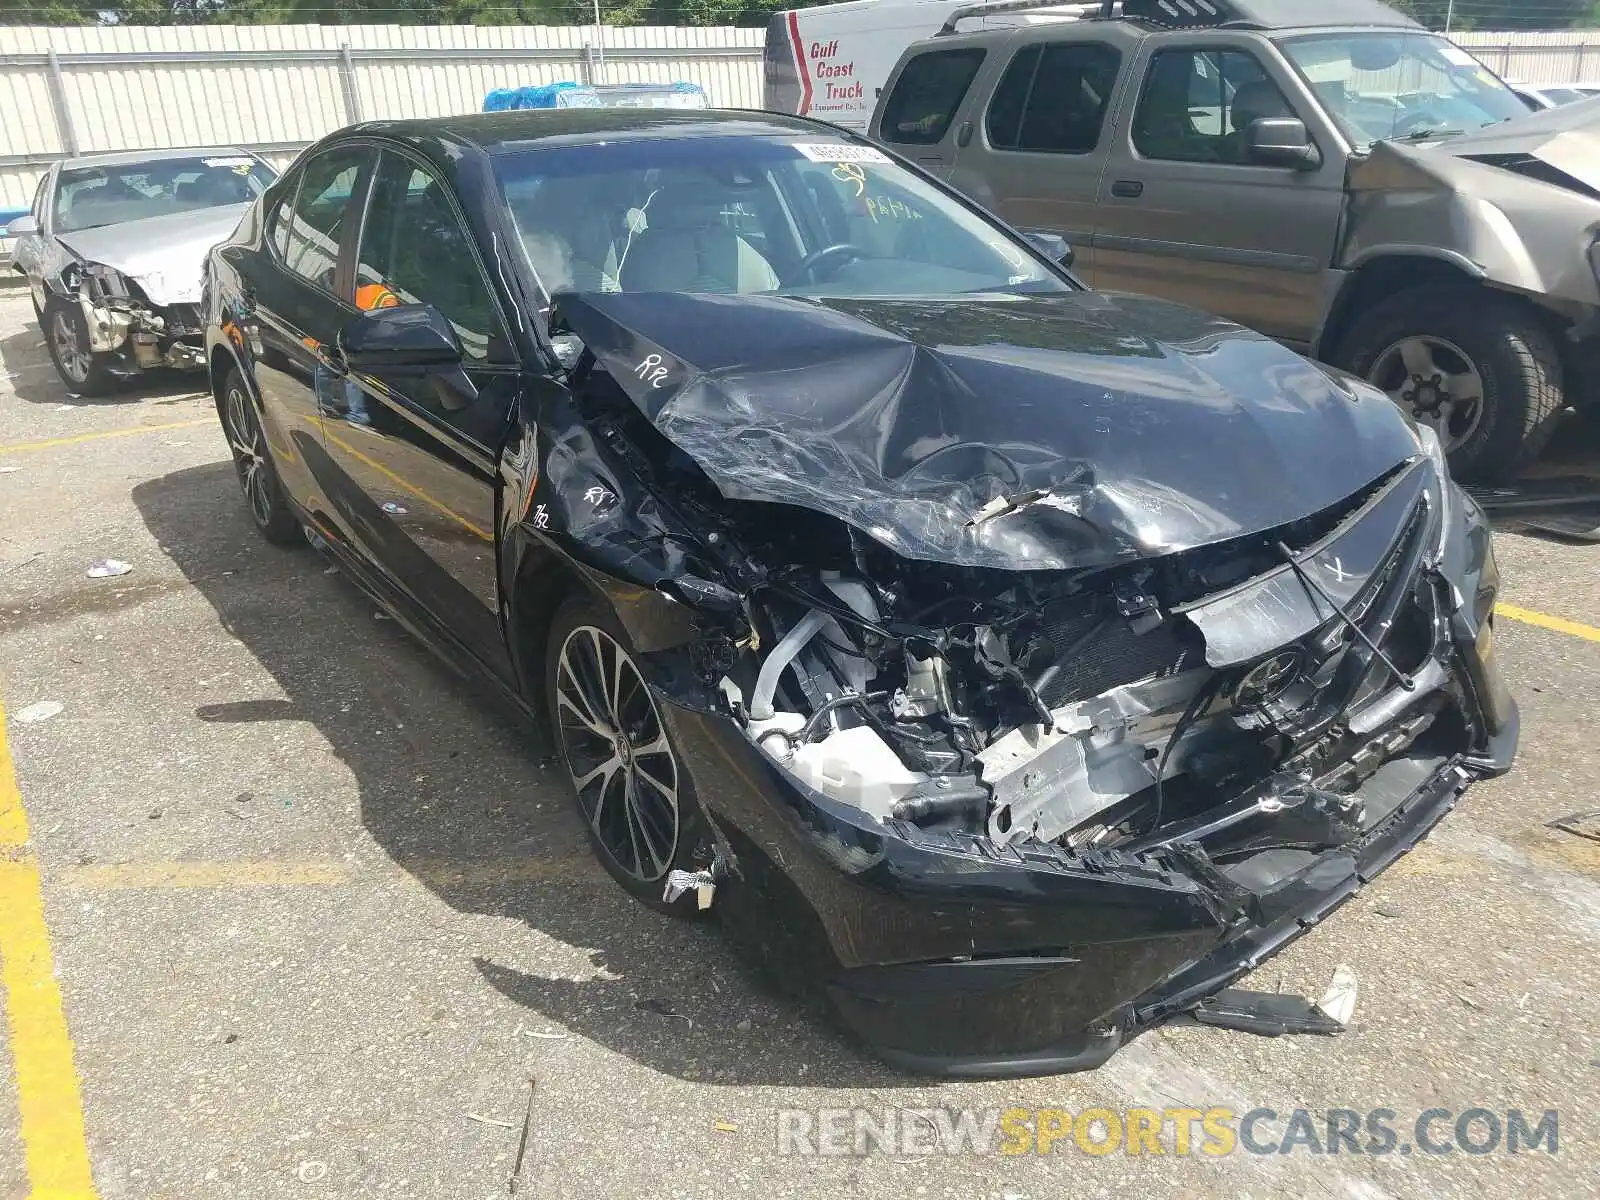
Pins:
x: 636, y: 801
x: 258, y: 478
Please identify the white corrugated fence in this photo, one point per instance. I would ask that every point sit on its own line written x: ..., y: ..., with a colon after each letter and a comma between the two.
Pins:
x: 275, y: 88
x: 1548, y: 57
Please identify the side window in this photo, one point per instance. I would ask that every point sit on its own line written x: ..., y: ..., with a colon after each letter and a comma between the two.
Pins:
x: 38, y: 198
x: 279, y: 218
x: 927, y: 94
x: 1198, y: 105
x: 414, y: 250
x: 1053, y: 98
x: 321, y: 210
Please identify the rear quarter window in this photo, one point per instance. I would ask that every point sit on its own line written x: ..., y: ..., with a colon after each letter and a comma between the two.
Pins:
x: 927, y: 94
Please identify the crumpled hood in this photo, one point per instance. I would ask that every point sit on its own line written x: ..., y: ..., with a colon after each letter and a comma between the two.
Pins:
x: 1566, y: 137
x: 1120, y: 426
x: 1487, y: 201
x: 166, y: 255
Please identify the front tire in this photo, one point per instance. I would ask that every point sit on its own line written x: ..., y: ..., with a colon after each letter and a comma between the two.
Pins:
x: 67, y: 337
x: 258, y: 477
x: 1480, y: 368
x: 632, y: 794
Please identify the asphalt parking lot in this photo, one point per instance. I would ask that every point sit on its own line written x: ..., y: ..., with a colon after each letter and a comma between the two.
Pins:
x: 317, y: 919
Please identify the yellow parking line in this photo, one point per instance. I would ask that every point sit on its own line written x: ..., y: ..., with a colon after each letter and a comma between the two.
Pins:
x: 434, y: 872
x: 1529, y: 616
x: 48, y: 1099
x: 79, y: 438
x: 204, y: 875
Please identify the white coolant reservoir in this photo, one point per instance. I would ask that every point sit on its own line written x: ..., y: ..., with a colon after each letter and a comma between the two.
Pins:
x: 858, y: 767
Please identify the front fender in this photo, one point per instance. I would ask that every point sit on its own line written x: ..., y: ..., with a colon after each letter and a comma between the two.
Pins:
x: 574, y: 519
x: 1493, y: 224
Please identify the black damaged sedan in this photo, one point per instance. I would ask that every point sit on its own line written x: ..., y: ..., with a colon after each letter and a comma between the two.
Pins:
x: 1018, y: 663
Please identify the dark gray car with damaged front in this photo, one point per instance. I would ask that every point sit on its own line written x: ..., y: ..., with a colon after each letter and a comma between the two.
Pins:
x: 1016, y: 664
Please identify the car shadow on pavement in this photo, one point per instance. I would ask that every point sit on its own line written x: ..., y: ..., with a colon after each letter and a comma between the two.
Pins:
x: 33, y: 377
x: 451, y: 792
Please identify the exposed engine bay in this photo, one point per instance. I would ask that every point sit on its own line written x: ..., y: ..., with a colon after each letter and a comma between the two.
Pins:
x: 1080, y: 709
x: 1123, y: 705
x: 1039, y: 668
x: 121, y: 320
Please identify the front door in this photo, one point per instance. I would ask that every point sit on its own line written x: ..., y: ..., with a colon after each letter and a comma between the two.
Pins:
x: 1184, y: 212
x: 418, y: 447
x: 291, y: 302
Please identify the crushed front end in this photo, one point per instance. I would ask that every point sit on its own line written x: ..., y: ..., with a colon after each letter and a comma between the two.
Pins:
x: 122, y: 321
x: 1059, y: 817
x: 1007, y: 817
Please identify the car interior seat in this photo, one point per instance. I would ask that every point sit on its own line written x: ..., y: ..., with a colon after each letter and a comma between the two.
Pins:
x: 1257, y: 100
x: 687, y: 247
x: 569, y: 236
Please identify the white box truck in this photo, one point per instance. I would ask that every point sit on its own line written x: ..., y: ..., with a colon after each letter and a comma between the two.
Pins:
x: 831, y: 61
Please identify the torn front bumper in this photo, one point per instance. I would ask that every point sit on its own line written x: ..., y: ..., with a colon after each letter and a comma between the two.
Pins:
x: 950, y: 954
x: 923, y: 1031
x: 141, y: 336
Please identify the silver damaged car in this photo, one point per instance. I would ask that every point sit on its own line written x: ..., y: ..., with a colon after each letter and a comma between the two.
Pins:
x: 113, y: 249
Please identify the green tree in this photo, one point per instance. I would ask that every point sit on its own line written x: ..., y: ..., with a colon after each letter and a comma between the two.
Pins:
x: 47, y: 12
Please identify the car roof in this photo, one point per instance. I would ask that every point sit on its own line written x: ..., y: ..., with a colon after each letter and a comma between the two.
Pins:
x: 523, y: 129
x: 1270, y: 17
x: 123, y: 158
x: 1297, y: 14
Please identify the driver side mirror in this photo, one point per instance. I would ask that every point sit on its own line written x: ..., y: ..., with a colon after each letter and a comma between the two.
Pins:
x: 1053, y: 246
x: 410, y: 335
x: 20, y: 226
x: 1282, y: 142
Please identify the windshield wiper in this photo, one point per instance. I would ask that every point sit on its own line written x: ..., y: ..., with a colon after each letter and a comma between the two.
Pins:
x: 1423, y: 135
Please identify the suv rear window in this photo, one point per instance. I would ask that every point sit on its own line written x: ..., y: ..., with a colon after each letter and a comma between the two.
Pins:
x: 925, y: 98
x: 1053, y: 98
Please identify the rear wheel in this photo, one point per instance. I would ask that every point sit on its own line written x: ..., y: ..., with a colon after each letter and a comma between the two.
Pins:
x: 258, y: 478
x: 633, y: 796
x: 84, y: 372
x: 1481, y: 369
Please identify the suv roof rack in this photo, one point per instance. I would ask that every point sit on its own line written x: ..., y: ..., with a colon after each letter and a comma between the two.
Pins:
x: 1182, y: 14
x: 1205, y: 14
x: 986, y: 8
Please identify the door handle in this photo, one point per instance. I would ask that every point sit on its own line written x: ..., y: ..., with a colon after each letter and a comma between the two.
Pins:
x: 334, y: 357
x: 1127, y: 189
x: 964, y: 135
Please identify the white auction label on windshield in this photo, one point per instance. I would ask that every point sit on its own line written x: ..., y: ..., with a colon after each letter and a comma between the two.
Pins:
x: 838, y: 152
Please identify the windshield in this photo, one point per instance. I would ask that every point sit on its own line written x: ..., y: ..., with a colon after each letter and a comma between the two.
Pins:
x: 808, y: 215
x: 89, y: 197
x: 1396, y: 85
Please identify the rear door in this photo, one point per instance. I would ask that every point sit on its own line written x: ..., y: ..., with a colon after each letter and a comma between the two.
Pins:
x: 1185, y: 214
x: 918, y: 114
x: 415, y: 450
x: 1033, y: 136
